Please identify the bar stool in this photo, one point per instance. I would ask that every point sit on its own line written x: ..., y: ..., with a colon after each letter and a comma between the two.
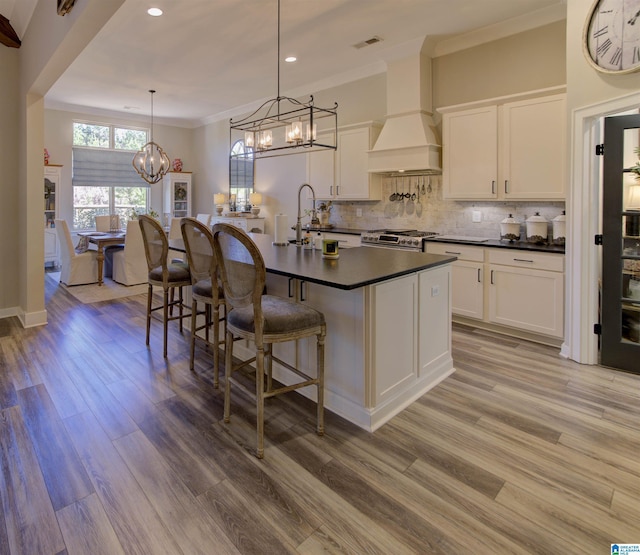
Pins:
x: 169, y: 276
x: 205, y: 288
x: 263, y: 319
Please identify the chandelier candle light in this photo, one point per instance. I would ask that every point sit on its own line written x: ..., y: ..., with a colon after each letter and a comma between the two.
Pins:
x: 285, y: 125
x: 151, y: 162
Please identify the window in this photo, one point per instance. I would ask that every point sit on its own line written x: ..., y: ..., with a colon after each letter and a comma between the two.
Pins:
x: 240, y: 176
x: 104, y: 180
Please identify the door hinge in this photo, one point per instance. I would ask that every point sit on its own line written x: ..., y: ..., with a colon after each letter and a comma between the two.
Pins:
x: 600, y: 150
x: 598, y: 239
x: 597, y: 329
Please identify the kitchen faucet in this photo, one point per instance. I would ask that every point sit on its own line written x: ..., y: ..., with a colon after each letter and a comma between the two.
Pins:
x: 314, y: 215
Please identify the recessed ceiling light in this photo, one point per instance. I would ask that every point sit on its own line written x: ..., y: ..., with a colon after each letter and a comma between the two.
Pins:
x: 155, y: 12
x: 290, y: 59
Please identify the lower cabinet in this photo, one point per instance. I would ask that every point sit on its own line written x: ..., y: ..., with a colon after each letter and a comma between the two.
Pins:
x: 526, y: 291
x: 509, y: 288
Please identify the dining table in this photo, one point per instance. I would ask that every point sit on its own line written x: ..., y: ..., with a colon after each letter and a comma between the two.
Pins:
x: 101, y: 240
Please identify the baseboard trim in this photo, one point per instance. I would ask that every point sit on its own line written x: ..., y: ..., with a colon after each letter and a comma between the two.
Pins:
x: 32, y: 319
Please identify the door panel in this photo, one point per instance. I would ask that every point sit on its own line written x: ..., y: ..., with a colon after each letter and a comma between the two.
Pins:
x: 621, y: 245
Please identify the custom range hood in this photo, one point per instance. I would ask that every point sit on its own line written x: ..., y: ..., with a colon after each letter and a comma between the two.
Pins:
x: 408, y: 141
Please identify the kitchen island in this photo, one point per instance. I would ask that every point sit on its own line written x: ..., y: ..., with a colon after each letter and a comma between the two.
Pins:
x: 388, y: 316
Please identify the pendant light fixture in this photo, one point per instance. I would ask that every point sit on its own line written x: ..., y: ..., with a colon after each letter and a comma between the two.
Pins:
x: 285, y: 125
x: 151, y: 162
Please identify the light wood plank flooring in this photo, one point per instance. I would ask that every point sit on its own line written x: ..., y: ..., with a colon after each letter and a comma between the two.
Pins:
x: 107, y: 448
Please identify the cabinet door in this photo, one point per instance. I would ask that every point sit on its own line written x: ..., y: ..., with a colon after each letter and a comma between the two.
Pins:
x: 353, y: 180
x: 533, y: 149
x: 528, y: 299
x: 467, y: 289
x: 470, y: 154
x: 321, y: 172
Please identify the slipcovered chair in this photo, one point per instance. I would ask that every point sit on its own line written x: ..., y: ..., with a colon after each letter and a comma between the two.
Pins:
x: 263, y: 319
x: 205, y: 288
x: 103, y: 223
x: 175, y: 233
x: 129, y: 265
x: 169, y: 276
x: 77, y: 268
x: 204, y: 218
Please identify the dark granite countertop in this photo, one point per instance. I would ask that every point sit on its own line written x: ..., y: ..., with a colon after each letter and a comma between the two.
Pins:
x: 497, y: 243
x: 355, y: 267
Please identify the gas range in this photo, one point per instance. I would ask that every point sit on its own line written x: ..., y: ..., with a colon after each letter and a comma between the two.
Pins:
x: 407, y: 239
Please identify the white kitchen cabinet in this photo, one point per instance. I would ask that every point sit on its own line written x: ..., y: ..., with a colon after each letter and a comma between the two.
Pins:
x: 470, y: 153
x: 248, y: 224
x: 321, y: 167
x: 507, y: 290
x: 526, y: 291
x: 52, y: 178
x: 508, y: 151
x: 344, y: 174
x: 176, y: 197
x: 467, y: 278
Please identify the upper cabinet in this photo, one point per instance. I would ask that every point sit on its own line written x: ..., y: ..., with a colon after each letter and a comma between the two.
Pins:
x: 177, y: 194
x: 344, y: 174
x: 506, y: 151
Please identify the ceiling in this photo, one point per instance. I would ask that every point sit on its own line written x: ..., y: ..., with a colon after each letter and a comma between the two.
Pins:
x: 212, y: 59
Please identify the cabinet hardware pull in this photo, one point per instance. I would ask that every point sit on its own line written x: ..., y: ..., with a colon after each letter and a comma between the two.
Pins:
x: 479, y: 276
x: 451, y: 252
x: 493, y: 187
x: 302, y: 288
x: 331, y: 190
x: 522, y: 260
x: 337, y: 190
x: 290, y: 293
x: 506, y: 186
x: 491, y: 277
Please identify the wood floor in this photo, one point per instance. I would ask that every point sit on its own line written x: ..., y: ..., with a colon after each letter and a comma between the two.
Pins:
x: 107, y: 448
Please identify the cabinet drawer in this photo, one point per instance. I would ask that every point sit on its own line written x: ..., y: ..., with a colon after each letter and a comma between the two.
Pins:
x: 527, y: 259
x: 463, y: 252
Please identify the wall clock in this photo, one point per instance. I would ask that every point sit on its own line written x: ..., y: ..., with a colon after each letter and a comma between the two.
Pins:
x: 611, y: 39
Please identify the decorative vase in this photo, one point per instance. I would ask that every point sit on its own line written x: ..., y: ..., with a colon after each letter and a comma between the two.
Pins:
x: 324, y: 218
x: 177, y: 165
x: 46, y: 157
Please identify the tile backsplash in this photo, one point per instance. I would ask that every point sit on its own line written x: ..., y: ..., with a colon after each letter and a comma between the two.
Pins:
x: 436, y: 214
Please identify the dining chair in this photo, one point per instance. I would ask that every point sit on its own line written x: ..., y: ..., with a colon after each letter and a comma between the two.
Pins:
x: 169, y: 276
x: 204, y: 218
x: 205, y: 288
x: 129, y: 264
x: 263, y: 319
x: 76, y: 268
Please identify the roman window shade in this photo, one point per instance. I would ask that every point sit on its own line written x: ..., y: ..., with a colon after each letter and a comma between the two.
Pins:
x: 94, y: 167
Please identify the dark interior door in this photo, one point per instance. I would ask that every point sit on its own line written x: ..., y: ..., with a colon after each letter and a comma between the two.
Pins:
x: 620, y: 310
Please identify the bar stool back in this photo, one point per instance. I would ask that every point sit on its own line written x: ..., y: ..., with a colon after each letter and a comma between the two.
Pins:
x: 263, y: 319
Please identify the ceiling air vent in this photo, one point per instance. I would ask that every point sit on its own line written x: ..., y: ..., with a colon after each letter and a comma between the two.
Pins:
x: 373, y: 40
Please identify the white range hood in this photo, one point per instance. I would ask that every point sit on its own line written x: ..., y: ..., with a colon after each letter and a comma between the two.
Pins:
x: 408, y: 141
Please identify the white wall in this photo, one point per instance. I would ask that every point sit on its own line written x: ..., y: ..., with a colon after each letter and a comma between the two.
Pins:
x: 9, y: 179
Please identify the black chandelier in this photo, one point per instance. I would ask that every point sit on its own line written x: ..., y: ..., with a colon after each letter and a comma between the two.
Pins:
x: 284, y: 125
x: 151, y: 162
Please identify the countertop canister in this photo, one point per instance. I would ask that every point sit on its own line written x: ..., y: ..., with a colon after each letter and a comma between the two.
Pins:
x: 559, y: 229
x: 537, y: 230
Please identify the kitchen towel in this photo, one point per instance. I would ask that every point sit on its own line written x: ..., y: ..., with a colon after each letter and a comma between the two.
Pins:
x: 281, y: 231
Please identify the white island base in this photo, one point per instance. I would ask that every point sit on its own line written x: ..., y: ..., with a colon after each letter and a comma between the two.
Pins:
x: 387, y: 344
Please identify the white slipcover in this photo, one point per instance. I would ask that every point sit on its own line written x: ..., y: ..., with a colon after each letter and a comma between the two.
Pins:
x: 130, y: 263
x: 204, y: 218
x: 77, y: 269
